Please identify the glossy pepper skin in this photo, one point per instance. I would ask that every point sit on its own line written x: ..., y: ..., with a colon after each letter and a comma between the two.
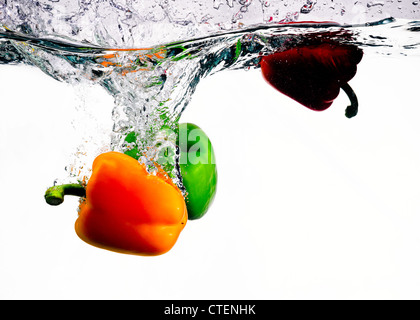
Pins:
x: 313, y: 74
x: 197, y: 166
x: 198, y: 169
x: 129, y: 210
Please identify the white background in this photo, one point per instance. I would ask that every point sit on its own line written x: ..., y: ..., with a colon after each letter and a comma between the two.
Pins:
x: 309, y: 205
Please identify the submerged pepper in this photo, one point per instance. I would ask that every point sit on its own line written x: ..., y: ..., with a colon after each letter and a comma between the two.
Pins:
x: 127, y: 209
x: 198, y: 169
x: 313, y: 74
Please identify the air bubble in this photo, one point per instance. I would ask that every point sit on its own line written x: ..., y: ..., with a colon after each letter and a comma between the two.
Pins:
x: 308, y: 6
x: 375, y: 3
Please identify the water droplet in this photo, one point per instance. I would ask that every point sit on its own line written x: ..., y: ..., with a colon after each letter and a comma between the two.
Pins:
x: 306, y: 8
x: 374, y: 3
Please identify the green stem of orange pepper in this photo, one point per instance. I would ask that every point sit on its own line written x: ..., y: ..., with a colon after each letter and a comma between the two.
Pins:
x: 55, y: 195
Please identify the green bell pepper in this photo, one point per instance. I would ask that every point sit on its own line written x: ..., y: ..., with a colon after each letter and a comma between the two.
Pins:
x: 198, y: 169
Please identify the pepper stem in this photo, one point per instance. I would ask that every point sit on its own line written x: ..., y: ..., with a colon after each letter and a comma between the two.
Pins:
x: 352, y: 109
x: 55, y: 195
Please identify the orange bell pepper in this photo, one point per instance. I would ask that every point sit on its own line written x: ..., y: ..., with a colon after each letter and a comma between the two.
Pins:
x: 129, y: 210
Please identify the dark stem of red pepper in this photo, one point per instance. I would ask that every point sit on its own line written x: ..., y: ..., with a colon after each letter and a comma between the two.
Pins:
x: 353, y: 108
x: 55, y: 195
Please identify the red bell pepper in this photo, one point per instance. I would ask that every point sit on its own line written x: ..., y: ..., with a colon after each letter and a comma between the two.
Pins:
x: 313, y: 74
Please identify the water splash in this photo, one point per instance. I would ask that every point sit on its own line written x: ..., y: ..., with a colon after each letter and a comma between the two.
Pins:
x: 152, y: 81
x: 139, y: 24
